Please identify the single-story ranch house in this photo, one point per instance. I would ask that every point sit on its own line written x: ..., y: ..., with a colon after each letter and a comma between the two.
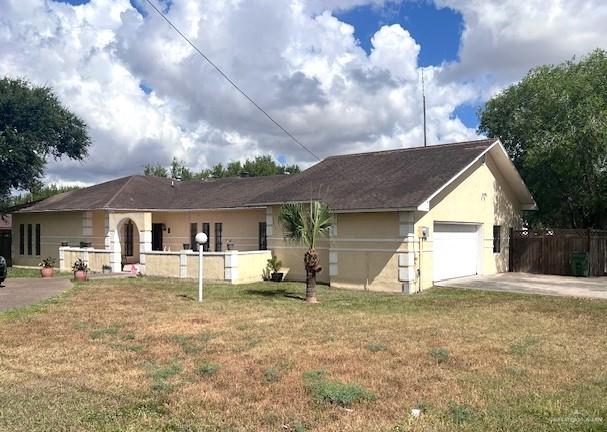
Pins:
x: 403, y: 219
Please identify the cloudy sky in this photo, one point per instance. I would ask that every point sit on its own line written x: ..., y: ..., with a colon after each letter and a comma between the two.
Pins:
x: 341, y: 75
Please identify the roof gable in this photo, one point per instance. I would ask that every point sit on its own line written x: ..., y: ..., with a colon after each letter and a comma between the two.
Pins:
x: 393, y: 179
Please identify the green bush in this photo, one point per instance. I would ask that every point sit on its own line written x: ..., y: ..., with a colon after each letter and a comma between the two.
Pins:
x: 460, y: 413
x: 271, y: 375
x: 376, y: 347
x: 334, y: 392
x: 207, y: 368
x: 440, y: 355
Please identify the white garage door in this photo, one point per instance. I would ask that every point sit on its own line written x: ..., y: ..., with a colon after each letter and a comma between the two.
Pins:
x: 455, y: 250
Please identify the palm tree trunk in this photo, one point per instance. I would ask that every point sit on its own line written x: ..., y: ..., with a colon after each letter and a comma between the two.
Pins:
x: 312, y: 267
x: 311, y: 286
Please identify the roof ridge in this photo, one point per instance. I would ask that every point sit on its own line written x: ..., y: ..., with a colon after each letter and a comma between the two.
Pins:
x: 402, y: 149
x: 107, y: 204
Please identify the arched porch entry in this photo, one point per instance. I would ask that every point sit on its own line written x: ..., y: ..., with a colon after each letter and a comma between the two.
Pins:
x: 127, y: 240
x: 129, y: 236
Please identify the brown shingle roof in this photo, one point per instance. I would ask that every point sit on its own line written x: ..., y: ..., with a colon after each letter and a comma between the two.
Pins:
x: 140, y: 192
x: 393, y: 179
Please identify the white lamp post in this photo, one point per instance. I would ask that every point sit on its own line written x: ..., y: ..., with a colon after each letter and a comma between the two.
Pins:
x: 201, y: 239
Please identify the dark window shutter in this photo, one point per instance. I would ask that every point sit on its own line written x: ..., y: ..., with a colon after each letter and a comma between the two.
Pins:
x: 206, y: 228
x: 29, y: 239
x: 263, y: 236
x: 218, y: 232
x: 21, y: 239
x: 193, y: 232
x: 38, y: 239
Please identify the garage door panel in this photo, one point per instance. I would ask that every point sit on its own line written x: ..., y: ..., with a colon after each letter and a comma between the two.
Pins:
x: 456, y: 250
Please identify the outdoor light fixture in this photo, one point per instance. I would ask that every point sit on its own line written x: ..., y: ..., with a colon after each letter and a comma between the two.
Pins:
x: 201, y: 239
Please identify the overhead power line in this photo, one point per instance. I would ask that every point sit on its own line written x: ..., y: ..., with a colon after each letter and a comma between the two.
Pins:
x: 228, y: 79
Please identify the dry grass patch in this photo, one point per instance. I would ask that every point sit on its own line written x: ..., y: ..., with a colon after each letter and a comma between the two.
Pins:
x: 141, y: 355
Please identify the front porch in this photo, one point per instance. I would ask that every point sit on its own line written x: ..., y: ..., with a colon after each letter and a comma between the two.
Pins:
x: 233, y: 266
x: 160, y: 243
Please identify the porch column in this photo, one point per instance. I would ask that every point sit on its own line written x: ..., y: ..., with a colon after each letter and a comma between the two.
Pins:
x: 145, y: 239
x: 406, y: 258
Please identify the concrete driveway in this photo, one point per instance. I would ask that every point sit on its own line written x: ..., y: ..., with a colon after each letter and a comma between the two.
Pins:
x: 595, y: 287
x: 25, y: 291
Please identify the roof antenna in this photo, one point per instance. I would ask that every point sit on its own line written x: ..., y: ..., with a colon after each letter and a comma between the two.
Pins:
x: 424, y: 107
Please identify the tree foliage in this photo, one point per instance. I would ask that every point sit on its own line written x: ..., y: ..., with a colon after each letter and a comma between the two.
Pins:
x: 306, y: 224
x: 34, y: 126
x: 553, y: 123
x: 258, y: 166
x: 38, y: 194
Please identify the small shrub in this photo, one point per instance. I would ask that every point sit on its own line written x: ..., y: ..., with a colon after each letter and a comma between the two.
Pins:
x: 298, y: 426
x: 439, y: 355
x: 460, y: 413
x: 186, y: 344
x: 129, y: 336
x: 207, y: 369
x: 96, y: 334
x: 271, y: 375
x: 376, y: 347
x: 334, y: 392
x: 521, y: 347
x: 167, y: 371
x: 79, y: 325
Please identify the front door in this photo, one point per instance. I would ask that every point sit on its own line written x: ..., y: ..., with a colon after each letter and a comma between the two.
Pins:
x: 157, y: 236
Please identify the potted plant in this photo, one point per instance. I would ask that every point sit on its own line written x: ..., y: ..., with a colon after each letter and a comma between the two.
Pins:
x: 46, y: 267
x: 274, y: 265
x: 106, y: 268
x: 80, y: 270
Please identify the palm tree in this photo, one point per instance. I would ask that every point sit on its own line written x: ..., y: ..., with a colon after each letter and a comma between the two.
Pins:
x: 306, y: 224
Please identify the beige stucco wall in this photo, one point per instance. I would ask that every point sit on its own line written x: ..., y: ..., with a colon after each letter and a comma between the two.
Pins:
x: 363, y: 251
x: 213, y: 266
x: 99, y: 219
x: 483, y: 198
x: 240, y: 226
x: 54, y: 229
x: 162, y: 264
x: 292, y: 253
x: 360, y: 253
x: 251, y: 266
x: 95, y: 258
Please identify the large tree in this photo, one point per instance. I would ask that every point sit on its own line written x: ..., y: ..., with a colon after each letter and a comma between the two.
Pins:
x: 34, y: 126
x: 553, y: 124
x: 306, y: 224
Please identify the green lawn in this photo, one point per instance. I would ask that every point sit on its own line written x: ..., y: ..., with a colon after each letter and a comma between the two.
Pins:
x: 142, y: 354
x: 33, y: 272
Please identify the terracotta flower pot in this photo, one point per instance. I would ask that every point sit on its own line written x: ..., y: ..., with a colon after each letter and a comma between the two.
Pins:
x: 46, y: 272
x: 80, y: 276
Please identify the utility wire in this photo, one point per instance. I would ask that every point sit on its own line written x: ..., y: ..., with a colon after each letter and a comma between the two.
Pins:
x: 228, y: 79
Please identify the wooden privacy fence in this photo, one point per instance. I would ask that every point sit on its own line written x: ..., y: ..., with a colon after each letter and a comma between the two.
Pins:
x: 549, y: 251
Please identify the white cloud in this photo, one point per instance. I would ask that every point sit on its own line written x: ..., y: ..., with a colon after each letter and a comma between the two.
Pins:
x: 294, y: 57
x: 504, y: 39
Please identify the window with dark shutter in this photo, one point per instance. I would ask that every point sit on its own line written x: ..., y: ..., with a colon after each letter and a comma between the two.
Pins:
x: 21, y: 239
x: 497, y: 238
x: 206, y: 228
x: 193, y: 232
x: 263, y: 236
x: 218, y: 230
x: 29, y: 239
x: 37, y: 244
